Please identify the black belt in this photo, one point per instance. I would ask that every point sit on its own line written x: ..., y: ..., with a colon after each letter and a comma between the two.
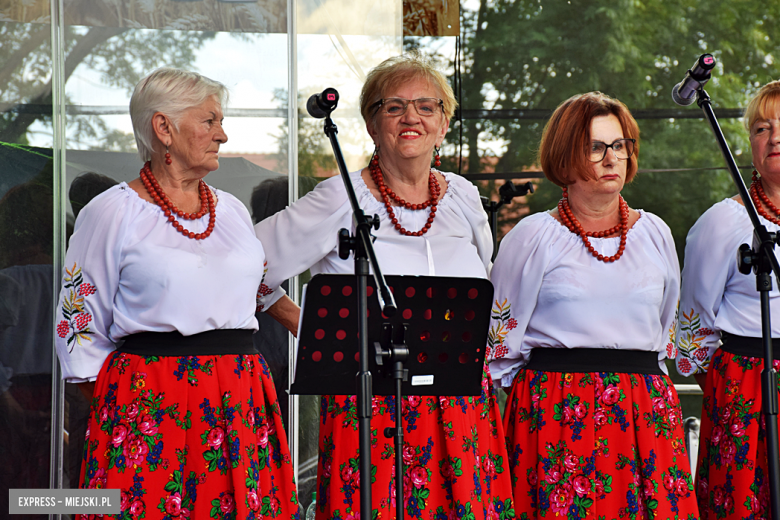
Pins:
x: 583, y: 360
x: 209, y: 343
x: 748, y: 347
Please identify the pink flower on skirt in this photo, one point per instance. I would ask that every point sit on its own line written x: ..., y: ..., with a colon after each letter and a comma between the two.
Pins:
x: 99, y: 480
x: 216, y: 437
x: 346, y: 474
x: 135, y: 450
x: 124, y: 500
x: 137, y: 508
x: 413, y: 400
x: 659, y: 405
x: 610, y: 396
x: 262, y: 435
x: 681, y: 487
x: 727, y: 451
x: 119, y: 434
x: 419, y: 476
x: 226, y: 503
x: 561, y: 499
x: 554, y: 474
x: 669, y: 482
x: 173, y: 504
x: 147, y: 426
x: 717, y: 434
x: 132, y: 411
x: 571, y: 462
x: 736, y: 428
x: 581, y: 485
x: 489, y: 466
x: 408, y: 455
x: 580, y: 410
x: 600, y: 417
x: 252, y: 501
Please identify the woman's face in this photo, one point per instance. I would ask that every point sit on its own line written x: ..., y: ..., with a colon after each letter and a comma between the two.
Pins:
x: 765, y: 144
x: 195, y: 144
x: 409, y: 135
x: 609, y: 174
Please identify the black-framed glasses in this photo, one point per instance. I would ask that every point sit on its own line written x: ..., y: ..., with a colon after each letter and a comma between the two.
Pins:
x: 425, y: 106
x: 623, y: 148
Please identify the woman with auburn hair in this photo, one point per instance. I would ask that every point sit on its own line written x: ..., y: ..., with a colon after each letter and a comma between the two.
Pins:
x: 585, y: 298
x: 719, y: 331
x: 433, y: 224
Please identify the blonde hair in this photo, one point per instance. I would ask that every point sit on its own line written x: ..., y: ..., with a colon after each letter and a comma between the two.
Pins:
x: 768, y: 97
x: 171, y: 92
x: 400, y: 69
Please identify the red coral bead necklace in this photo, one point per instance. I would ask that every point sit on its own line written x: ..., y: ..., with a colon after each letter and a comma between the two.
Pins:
x: 388, y: 194
x: 169, y: 209
x: 571, y: 222
x: 758, y: 195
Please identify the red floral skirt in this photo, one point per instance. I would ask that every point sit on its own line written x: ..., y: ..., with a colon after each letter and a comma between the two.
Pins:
x: 455, y: 463
x: 189, y: 437
x: 597, y: 445
x: 732, y: 480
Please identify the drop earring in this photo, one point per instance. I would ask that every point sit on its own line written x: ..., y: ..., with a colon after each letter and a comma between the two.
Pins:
x: 167, y: 156
x: 436, y: 158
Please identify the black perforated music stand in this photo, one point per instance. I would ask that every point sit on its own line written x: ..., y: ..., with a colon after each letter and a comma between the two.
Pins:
x: 446, y: 324
x: 434, y: 345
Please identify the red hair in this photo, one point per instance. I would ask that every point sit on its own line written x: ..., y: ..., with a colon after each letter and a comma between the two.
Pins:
x: 563, y: 152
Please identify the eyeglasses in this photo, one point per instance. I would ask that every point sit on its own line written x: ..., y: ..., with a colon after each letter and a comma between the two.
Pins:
x: 425, y: 106
x: 623, y: 148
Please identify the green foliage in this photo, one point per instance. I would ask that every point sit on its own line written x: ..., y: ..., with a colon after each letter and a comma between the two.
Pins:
x: 524, y: 54
x: 121, y: 56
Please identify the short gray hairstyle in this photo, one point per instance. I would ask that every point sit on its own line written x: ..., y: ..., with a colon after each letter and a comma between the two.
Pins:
x: 172, y: 92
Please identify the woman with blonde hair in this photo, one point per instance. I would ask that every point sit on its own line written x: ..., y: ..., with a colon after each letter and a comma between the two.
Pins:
x: 719, y: 331
x: 432, y: 223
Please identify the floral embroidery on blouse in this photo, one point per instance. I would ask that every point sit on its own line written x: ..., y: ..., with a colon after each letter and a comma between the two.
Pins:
x: 497, y: 334
x: 263, y: 290
x: 692, y: 356
x: 671, y: 348
x: 75, y: 326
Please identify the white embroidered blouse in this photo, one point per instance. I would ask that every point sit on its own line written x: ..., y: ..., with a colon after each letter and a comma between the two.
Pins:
x: 304, y: 235
x: 552, y: 293
x: 715, y: 295
x: 127, y: 270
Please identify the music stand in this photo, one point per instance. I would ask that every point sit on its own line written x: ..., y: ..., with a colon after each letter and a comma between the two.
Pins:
x: 434, y: 345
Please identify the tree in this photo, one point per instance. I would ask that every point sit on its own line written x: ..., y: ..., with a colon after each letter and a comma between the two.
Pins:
x: 533, y: 54
x: 122, y: 56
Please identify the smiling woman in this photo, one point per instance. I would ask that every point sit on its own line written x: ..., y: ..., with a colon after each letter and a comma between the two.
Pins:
x: 432, y: 223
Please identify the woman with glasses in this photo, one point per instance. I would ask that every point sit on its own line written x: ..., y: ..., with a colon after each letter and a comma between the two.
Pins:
x: 433, y: 224
x: 719, y: 331
x: 585, y: 298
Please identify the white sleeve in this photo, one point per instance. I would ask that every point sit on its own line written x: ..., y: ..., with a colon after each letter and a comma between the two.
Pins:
x: 471, y: 205
x: 665, y: 245
x: 89, y: 283
x: 704, y: 277
x: 302, y: 234
x: 517, y: 276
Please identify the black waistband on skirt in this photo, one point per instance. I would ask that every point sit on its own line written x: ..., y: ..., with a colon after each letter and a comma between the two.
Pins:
x: 748, y: 347
x: 209, y: 343
x: 582, y: 360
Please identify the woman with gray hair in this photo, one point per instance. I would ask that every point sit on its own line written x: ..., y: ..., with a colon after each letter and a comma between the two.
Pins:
x: 433, y: 224
x: 155, y: 321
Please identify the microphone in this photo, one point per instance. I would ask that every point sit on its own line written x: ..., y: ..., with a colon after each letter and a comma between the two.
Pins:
x: 684, y: 92
x: 322, y: 104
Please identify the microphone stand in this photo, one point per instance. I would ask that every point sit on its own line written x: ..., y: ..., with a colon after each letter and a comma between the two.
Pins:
x: 363, y: 246
x: 506, y: 193
x: 762, y: 260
